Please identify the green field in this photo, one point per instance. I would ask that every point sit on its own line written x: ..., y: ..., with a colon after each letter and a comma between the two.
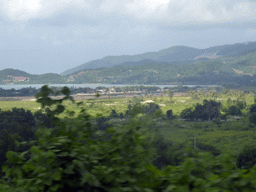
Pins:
x: 231, y: 134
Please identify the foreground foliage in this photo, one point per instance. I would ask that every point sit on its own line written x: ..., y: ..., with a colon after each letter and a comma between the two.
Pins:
x: 77, y: 156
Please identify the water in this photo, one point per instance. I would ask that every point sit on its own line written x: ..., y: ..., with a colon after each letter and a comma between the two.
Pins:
x: 93, y: 86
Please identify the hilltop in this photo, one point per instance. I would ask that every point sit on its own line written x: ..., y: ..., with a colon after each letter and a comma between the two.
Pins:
x: 177, y: 55
x: 15, y: 76
x: 206, y: 68
x: 225, y: 64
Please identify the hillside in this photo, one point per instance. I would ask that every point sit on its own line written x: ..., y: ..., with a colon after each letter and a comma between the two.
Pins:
x: 223, y: 70
x: 178, y: 55
x: 14, y: 76
x: 227, y: 64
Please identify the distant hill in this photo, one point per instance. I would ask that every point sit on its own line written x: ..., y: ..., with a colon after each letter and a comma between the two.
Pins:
x: 178, y: 55
x: 230, y: 64
x: 176, y: 52
x: 232, y: 69
x: 14, y: 72
x: 15, y: 76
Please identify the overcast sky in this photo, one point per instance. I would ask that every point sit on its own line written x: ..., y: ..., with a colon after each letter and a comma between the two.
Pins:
x: 51, y: 36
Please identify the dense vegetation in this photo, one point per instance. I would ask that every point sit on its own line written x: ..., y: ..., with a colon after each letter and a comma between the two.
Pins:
x: 128, y: 149
x: 19, y: 125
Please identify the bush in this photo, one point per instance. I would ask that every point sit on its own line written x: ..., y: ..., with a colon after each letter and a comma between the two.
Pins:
x: 113, y: 114
x: 169, y: 115
x: 73, y: 156
x: 151, y: 108
x: 167, y: 153
x: 208, y: 111
x: 187, y: 114
x: 247, y: 158
x: 208, y: 148
x: 253, y: 108
x: 102, y: 123
x: 252, y: 118
x: 234, y: 110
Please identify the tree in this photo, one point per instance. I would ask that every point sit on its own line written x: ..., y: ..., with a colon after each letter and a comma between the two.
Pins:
x: 212, y: 109
x: 187, y: 114
x: 247, y: 157
x: 253, y: 108
x: 113, y: 114
x: 170, y: 94
x: 169, y: 115
x: 73, y: 156
x: 207, y: 111
x: 252, y: 118
x: 234, y: 110
x: 151, y: 108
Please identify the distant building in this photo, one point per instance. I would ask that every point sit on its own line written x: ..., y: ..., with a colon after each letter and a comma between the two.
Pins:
x: 112, y: 90
x: 100, y: 91
x: 20, y: 78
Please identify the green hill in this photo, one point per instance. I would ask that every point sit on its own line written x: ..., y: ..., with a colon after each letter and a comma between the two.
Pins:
x: 178, y: 55
x: 13, y: 72
x: 230, y: 69
x: 15, y: 76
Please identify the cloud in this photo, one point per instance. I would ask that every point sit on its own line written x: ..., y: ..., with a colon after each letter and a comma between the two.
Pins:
x: 70, y: 21
x: 169, y: 12
x: 24, y: 10
x: 187, y: 12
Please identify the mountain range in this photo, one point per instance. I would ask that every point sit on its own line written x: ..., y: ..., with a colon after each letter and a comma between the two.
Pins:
x: 224, y: 64
x: 173, y: 55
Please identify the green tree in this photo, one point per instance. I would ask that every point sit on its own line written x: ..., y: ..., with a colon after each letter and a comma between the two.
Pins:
x: 234, y: 110
x: 252, y: 118
x: 169, y: 114
x: 170, y: 94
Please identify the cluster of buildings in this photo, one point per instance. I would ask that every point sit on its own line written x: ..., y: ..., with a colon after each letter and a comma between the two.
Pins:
x: 11, y: 78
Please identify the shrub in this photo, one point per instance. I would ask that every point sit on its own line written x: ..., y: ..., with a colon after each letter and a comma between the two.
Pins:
x: 169, y: 115
x: 247, y: 158
x: 252, y: 118
x: 253, y: 108
x: 207, y: 111
x: 187, y: 114
x: 166, y: 152
x: 73, y: 157
x: 234, y: 110
x: 208, y: 148
x: 151, y: 108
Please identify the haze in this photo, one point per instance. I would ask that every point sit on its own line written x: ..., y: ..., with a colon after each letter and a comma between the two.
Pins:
x: 45, y: 36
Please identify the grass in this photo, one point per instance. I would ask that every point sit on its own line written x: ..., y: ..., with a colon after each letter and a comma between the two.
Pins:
x: 28, y: 105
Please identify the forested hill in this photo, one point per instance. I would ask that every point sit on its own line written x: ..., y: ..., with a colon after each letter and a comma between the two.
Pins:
x: 173, y: 55
x: 235, y: 69
x: 15, y: 76
x: 227, y: 64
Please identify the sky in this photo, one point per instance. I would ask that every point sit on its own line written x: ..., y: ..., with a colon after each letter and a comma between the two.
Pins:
x: 51, y: 36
